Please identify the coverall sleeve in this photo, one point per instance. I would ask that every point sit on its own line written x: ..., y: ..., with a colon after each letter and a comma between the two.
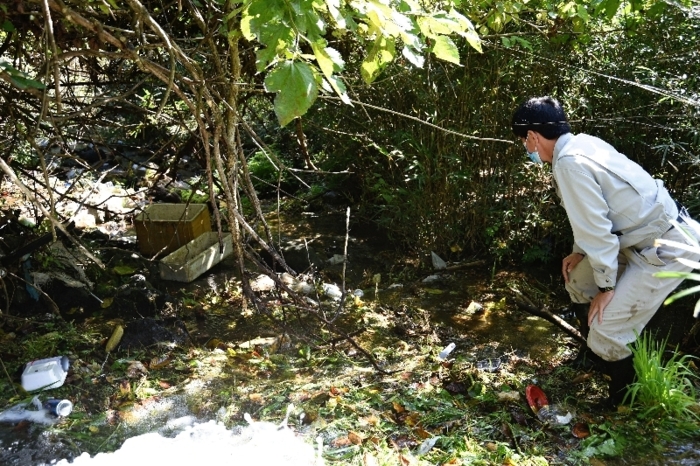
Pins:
x: 587, y: 210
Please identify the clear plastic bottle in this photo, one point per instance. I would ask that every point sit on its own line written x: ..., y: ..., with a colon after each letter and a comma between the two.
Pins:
x: 446, y: 351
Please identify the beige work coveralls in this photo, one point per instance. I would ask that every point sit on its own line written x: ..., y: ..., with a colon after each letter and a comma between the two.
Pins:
x: 617, y: 211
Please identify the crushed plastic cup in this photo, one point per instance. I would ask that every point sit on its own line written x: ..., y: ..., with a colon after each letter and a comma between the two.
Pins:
x: 554, y: 414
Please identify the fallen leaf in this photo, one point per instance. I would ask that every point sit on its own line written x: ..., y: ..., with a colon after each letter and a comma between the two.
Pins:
x: 413, y: 419
x: 422, y: 433
x: 136, y: 369
x: 455, y: 388
x: 124, y: 387
x: 163, y: 384
x: 398, y: 408
x: 490, y: 446
x: 355, y: 438
x: 582, y: 377
x: 407, y: 460
x: 159, y: 362
x: 338, y: 391
x: 508, y: 396
x: 215, y: 343
x: 402, y: 442
x: 453, y: 462
x: 341, y: 442
x: 581, y: 430
x: 123, y: 270
x: 255, y: 397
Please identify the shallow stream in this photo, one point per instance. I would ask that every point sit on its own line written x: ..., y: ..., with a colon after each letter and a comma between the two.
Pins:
x: 480, y: 323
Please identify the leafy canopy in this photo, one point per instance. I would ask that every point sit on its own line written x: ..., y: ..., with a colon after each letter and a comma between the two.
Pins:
x: 294, y: 48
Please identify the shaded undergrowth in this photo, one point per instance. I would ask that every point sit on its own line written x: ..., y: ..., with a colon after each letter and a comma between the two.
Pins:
x: 423, y: 410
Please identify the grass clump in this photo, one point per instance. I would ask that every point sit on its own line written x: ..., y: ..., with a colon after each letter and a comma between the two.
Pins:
x: 664, y: 386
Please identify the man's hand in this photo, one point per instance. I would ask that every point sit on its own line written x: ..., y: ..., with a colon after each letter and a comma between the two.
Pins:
x: 568, y: 264
x: 598, y: 305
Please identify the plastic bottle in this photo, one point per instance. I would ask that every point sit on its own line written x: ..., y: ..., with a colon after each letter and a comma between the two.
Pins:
x: 446, y: 351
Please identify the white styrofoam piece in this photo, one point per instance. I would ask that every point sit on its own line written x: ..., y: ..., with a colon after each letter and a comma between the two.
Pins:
x: 195, y: 258
x: 45, y: 374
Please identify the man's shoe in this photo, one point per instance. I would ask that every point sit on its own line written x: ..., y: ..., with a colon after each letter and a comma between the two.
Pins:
x: 621, y: 375
x: 586, y: 360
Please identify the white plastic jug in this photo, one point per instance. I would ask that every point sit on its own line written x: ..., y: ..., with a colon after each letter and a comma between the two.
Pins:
x: 44, y: 374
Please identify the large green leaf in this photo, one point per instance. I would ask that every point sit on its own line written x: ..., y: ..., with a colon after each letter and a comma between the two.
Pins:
x: 446, y: 50
x: 466, y: 29
x: 296, y: 85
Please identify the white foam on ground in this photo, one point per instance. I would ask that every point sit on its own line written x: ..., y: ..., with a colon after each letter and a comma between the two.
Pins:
x: 259, y: 444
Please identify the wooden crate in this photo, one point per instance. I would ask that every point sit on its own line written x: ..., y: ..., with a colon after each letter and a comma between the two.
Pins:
x: 163, y: 228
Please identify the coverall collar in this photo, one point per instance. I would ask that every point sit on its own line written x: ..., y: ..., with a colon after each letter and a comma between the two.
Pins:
x: 561, y: 142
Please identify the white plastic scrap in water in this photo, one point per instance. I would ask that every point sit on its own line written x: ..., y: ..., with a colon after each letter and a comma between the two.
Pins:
x: 438, y: 263
x: 446, y: 351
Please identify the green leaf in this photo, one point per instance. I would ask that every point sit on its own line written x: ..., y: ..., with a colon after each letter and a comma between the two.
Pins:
x: 414, y: 56
x: 339, y: 88
x: 446, y: 50
x: 20, y: 80
x: 382, y: 53
x: 296, y: 86
x: 124, y: 270
x: 671, y: 274
x: 309, y: 22
x: 334, y: 10
x: 329, y: 60
x: 682, y: 294
x: 277, y: 40
x: 611, y: 7
x: 7, y: 26
x: 582, y: 13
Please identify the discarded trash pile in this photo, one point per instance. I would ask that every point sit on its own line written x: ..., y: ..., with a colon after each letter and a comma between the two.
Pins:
x: 259, y: 443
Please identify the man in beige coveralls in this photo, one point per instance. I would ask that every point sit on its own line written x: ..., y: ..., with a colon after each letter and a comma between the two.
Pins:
x: 617, y: 211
